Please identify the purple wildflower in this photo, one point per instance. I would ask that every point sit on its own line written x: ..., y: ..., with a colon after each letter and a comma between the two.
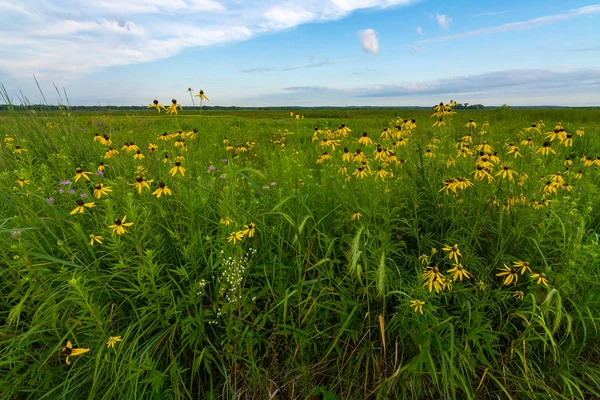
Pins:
x: 50, y: 199
x: 72, y: 191
x: 83, y: 195
x: 60, y: 191
x: 65, y: 183
x: 99, y: 173
x: 225, y: 161
x: 211, y: 168
x: 273, y: 183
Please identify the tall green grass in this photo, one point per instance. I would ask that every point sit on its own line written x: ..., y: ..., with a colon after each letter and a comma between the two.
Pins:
x: 316, y: 305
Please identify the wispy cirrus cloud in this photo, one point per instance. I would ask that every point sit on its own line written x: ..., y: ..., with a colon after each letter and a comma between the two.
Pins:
x: 487, y: 14
x: 54, y: 42
x: 524, y: 79
x: 520, y: 25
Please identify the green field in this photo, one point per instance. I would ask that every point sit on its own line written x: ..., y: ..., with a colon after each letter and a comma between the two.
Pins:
x: 449, y: 264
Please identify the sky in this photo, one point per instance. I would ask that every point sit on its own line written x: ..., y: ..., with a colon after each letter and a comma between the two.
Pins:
x: 302, y: 53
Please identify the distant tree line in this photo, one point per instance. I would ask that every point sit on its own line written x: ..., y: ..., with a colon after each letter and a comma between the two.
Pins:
x: 467, y: 106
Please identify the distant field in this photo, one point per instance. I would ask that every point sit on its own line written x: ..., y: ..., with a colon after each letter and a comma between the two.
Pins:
x: 250, y: 254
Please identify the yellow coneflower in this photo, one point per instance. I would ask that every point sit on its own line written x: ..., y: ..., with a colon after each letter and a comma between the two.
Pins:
x: 433, y: 279
x: 162, y: 189
x: 449, y: 185
x: 110, y: 152
x: 173, y: 107
x: 69, y: 352
x: 381, y: 173
x: 101, y: 166
x: 365, y: 139
x: 506, y: 172
x: 580, y: 132
x: 545, y: 149
x: 18, y: 149
x: 80, y: 209
x: 129, y: 147
x: 540, y: 279
x: 417, y: 305
x: 193, y: 134
x: 100, y: 189
x: 485, y: 147
x: 439, y: 123
x: 429, y: 153
x: 481, y: 173
x: 510, y: 275
x: 177, y: 168
x: 471, y: 124
x: 225, y: 221
x: 356, y: 216
x: 249, y: 230
x: 201, y: 96
x: 579, y: 174
x: 454, y: 252
x: 360, y: 173
x: 165, y: 136
x: 567, y: 141
x: 459, y: 272
x: 235, y: 237
x: 112, y: 340
x: 141, y: 183
x: 79, y: 173
x: 324, y: 157
x: 528, y: 142
x: 22, y: 182
x: 379, y: 153
x: 105, y: 141
x: 358, y: 156
x: 138, y: 155
x: 96, y: 239
x: 156, y: 105
x: 119, y: 226
x: 517, y: 294
x: 152, y: 147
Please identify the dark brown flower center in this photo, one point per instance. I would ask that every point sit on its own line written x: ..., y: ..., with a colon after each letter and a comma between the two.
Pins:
x: 97, y: 186
x: 155, y: 101
x: 79, y: 202
x: 78, y: 170
x: 139, y: 178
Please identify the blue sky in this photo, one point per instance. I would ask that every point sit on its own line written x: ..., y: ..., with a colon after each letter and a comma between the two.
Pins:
x: 303, y: 53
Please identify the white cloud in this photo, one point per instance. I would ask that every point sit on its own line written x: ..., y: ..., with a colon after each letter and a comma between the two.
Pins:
x: 521, y: 25
x: 57, y: 43
x: 443, y: 20
x: 286, y: 17
x: 420, y: 31
x: 368, y: 41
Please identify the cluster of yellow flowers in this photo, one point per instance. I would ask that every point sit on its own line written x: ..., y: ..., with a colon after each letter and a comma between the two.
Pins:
x: 434, y: 279
x: 69, y: 351
x: 385, y: 156
x: 174, y: 107
x: 238, y: 236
